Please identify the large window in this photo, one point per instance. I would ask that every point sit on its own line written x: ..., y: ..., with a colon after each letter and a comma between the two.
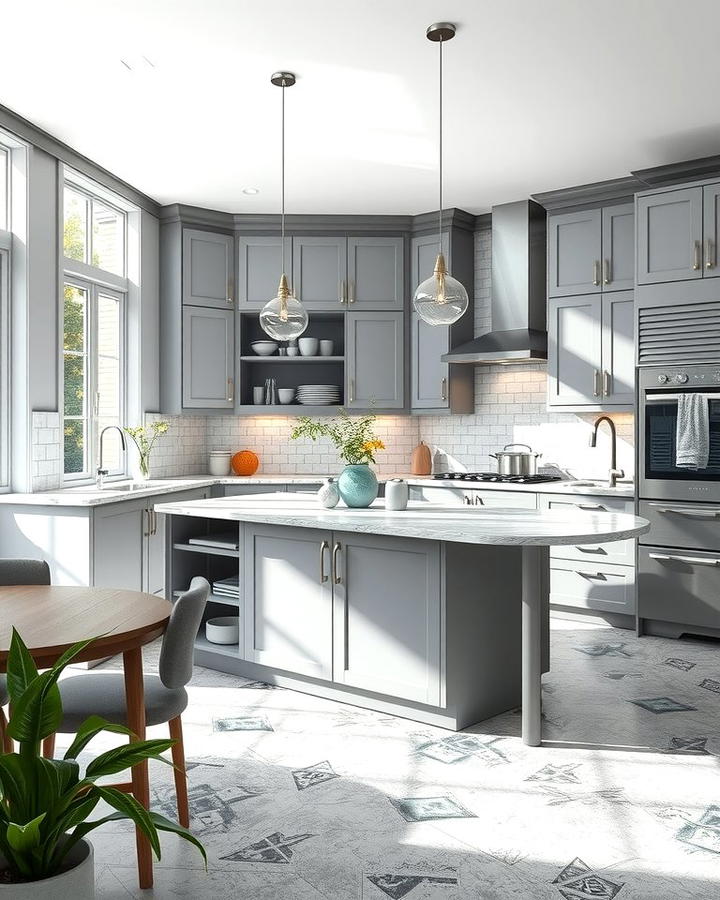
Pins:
x: 4, y: 368
x: 94, y: 312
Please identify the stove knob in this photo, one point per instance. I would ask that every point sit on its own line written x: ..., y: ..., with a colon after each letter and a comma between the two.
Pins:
x: 682, y: 378
x: 662, y: 379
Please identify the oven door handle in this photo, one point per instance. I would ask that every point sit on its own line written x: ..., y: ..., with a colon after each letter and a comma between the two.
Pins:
x: 666, y: 398
x: 693, y: 560
x: 685, y: 511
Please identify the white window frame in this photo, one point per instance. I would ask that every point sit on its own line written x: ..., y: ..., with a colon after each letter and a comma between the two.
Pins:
x: 5, y: 242
x: 94, y: 280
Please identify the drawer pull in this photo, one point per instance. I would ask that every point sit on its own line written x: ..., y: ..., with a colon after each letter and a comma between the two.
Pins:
x: 600, y: 551
x: 691, y: 513
x: 593, y: 576
x: 692, y: 560
x: 590, y: 506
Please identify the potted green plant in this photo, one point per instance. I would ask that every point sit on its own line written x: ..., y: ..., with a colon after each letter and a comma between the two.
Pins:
x: 144, y: 440
x: 45, y: 804
x: 357, y: 445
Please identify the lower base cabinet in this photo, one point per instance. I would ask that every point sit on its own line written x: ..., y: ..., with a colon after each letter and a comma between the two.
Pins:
x: 364, y: 611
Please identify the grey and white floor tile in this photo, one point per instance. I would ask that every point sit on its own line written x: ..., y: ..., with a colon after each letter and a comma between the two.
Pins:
x: 299, y: 798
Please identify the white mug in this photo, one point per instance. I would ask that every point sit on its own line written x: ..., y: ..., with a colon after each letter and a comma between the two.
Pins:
x: 259, y: 396
x: 326, y: 348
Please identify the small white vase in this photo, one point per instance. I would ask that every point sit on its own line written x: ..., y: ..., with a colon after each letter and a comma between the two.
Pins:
x: 77, y: 881
x: 328, y: 494
x: 397, y: 493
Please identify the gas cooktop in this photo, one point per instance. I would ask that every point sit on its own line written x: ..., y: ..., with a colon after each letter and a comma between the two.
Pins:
x: 495, y: 477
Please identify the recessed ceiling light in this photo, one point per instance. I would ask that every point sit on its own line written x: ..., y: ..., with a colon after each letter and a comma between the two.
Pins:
x: 251, y: 191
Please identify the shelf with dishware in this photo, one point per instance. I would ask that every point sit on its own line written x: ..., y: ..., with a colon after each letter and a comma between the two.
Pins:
x: 293, y: 360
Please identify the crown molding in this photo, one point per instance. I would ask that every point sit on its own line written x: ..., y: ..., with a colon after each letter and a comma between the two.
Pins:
x: 615, y: 190
x: 676, y: 173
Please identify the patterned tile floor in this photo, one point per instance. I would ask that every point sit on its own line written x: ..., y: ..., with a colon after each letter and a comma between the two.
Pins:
x: 298, y: 798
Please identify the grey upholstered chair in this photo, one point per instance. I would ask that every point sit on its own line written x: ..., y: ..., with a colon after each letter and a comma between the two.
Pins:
x: 103, y: 693
x: 18, y: 571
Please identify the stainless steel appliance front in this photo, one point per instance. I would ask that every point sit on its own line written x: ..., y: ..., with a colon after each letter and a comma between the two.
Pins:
x: 659, y: 477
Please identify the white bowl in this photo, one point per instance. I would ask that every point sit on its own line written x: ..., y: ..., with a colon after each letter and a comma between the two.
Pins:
x: 264, y: 348
x: 308, y: 346
x: 223, y: 630
x: 286, y: 395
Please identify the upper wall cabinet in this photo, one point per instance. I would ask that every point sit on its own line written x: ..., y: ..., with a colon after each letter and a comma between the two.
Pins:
x: 591, y: 351
x: 320, y: 271
x: 207, y: 269
x: 259, y: 268
x: 590, y: 251
x: 374, y: 347
x: 208, y: 358
x: 677, y: 233
x: 375, y: 267
x: 434, y: 384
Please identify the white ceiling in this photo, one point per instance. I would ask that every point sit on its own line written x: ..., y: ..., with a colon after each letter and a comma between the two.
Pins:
x: 539, y: 95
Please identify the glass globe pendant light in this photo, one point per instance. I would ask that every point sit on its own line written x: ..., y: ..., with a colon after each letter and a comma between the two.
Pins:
x: 440, y: 299
x: 284, y: 317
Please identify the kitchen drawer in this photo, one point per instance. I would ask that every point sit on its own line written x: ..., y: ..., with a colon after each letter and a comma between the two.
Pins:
x: 237, y: 490
x: 606, y: 588
x: 446, y: 496
x: 620, y: 553
x: 502, y: 499
x: 695, y: 526
x: 679, y: 586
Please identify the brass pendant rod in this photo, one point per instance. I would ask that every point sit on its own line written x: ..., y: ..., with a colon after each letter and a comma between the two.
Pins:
x: 282, y: 184
x: 440, y: 144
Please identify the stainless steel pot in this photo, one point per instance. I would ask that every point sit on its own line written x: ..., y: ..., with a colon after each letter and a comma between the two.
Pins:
x: 516, y: 462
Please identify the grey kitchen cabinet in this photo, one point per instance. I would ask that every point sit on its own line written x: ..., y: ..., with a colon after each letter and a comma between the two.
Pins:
x: 681, y: 588
x: 600, y: 576
x: 591, y: 350
x: 617, y: 361
x: 434, y: 384
x: 119, y: 535
x: 574, y: 350
x: 387, y: 609
x: 591, y: 250
x: 320, y: 271
x: 375, y: 272
x: 289, y: 630
x: 259, y: 268
x: 207, y: 269
x: 670, y: 235
x: 375, y: 360
x: 711, y: 230
x: 208, y: 363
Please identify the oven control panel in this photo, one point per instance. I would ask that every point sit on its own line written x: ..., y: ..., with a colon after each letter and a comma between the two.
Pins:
x: 706, y: 376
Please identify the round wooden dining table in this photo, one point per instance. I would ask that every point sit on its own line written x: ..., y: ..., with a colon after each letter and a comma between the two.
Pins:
x: 50, y: 619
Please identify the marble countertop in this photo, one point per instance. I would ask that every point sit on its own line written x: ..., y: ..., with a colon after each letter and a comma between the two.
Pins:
x: 89, y: 495
x: 467, y: 525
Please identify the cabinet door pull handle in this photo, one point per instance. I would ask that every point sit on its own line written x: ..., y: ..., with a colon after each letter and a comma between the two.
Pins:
x: 443, y: 389
x: 479, y: 500
x: 323, y: 547
x: 337, y: 577
x: 351, y: 290
x: 596, y: 389
x: 341, y: 291
x: 351, y: 390
x: 147, y: 532
x: 709, y: 260
x: 697, y: 250
x: 692, y: 560
x: 230, y: 390
x: 596, y: 272
x: 606, y: 383
x: 606, y: 271
x: 154, y: 519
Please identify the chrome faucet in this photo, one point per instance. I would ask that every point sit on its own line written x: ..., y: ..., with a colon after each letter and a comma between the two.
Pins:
x: 614, y: 472
x: 101, y: 471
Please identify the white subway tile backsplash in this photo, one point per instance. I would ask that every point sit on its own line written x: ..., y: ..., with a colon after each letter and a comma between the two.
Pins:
x: 47, y: 474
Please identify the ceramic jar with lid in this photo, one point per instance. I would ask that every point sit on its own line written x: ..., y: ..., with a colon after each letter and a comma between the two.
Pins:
x: 397, y: 493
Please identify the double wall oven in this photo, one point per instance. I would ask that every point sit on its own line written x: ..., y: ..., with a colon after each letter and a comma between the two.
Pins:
x: 679, y: 558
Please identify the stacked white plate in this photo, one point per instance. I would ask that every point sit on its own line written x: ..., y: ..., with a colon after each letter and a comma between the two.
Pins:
x: 318, y: 394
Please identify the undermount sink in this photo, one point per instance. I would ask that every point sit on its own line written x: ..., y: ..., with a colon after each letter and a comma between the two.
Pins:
x: 135, y: 486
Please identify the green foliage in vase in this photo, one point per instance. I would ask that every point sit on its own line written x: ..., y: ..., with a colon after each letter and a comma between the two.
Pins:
x: 45, y: 804
x: 354, y: 438
x: 144, y: 439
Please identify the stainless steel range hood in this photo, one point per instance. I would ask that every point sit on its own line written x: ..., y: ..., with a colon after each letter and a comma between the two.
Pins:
x: 518, y: 332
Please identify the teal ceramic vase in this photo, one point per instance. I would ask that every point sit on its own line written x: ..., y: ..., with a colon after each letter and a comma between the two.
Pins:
x: 358, y: 486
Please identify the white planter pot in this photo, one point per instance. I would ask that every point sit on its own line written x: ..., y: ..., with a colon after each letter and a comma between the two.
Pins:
x: 76, y: 882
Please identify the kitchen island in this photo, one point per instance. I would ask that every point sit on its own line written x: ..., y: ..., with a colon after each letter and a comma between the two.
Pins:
x: 436, y: 613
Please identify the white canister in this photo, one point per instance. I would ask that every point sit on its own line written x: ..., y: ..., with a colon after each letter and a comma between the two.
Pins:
x: 396, y: 494
x: 328, y: 494
x: 219, y: 462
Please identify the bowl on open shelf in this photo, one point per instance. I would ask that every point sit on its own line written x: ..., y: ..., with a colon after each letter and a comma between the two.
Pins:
x: 286, y: 395
x: 264, y: 348
x: 223, y: 630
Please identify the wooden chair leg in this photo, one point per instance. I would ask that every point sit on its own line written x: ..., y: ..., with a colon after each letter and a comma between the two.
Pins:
x: 5, y: 739
x: 48, y: 747
x: 178, y: 758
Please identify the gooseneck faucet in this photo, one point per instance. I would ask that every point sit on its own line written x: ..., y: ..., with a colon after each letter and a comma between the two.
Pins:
x: 614, y: 472
x: 101, y: 470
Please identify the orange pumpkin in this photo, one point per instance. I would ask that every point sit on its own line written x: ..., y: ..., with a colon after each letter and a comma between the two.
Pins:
x: 245, y: 463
